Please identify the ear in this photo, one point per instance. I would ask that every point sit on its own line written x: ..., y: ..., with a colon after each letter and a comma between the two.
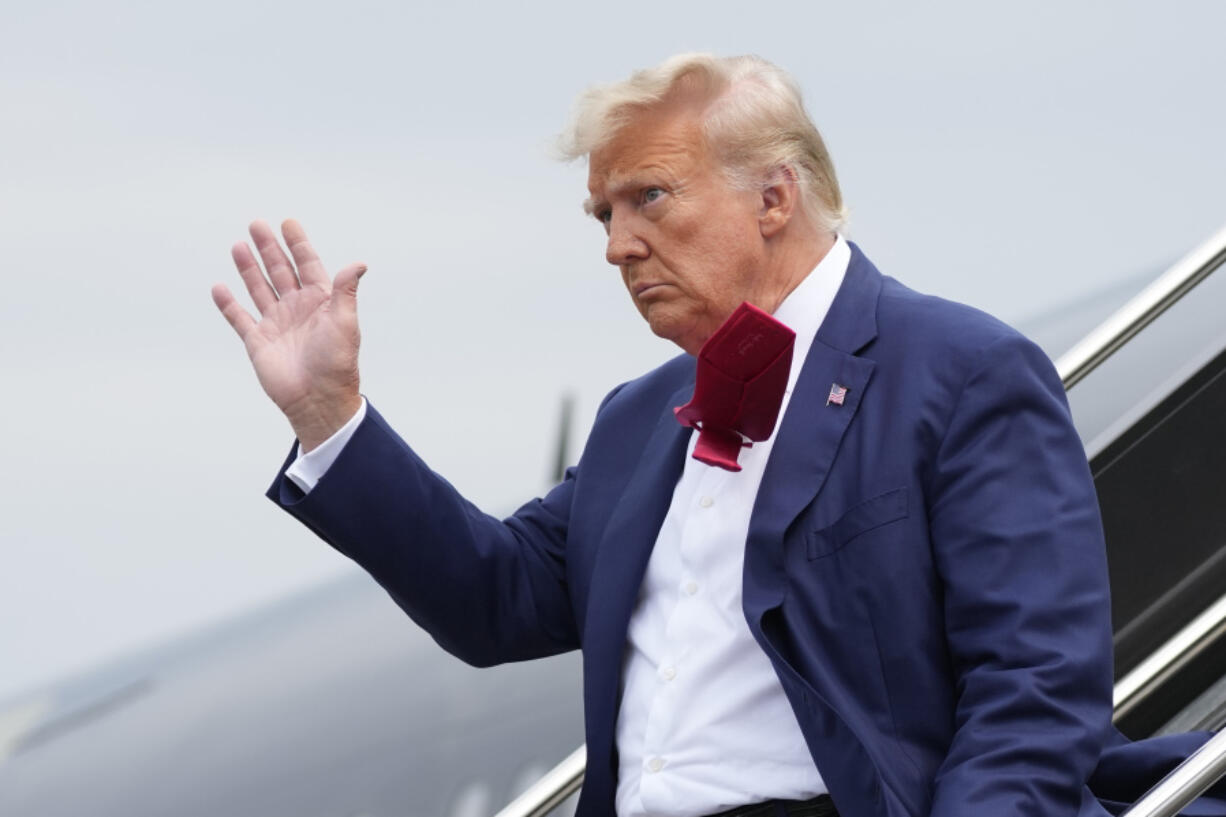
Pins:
x: 780, y: 201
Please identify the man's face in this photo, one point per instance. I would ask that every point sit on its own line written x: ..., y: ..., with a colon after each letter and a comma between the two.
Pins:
x: 687, y: 245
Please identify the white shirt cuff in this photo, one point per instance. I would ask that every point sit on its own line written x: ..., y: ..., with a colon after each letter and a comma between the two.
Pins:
x: 309, y: 468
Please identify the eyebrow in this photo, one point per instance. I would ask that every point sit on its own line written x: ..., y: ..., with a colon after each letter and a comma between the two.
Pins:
x: 617, y: 184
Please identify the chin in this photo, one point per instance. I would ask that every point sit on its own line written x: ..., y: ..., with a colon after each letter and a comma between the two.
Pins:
x: 687, y: 340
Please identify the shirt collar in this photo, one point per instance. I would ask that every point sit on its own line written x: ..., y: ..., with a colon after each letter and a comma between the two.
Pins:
x: 806, y: 306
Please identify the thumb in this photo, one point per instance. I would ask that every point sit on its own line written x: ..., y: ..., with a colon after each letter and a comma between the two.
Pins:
x: 345, y: 289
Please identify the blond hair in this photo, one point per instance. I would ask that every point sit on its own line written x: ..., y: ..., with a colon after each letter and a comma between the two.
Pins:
x: 753, y: 119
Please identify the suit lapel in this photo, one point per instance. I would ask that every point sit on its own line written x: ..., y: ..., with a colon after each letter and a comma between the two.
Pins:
x: 812, y: 430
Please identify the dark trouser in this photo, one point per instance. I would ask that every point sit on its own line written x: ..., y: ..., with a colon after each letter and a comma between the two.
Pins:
x: 820, y: 806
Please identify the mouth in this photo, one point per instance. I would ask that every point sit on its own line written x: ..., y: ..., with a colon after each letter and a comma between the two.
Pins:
x: 641, y: 289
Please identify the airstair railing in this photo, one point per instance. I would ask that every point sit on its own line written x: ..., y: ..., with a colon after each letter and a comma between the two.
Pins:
x: 1083, y: 358
x: 1180, y: 649
x: 1206, y: 766
x: 1185, y: 783
x: 546, y: 794
x: 1107, y: 338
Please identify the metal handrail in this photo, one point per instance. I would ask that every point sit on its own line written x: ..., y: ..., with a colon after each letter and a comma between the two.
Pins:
x: 1185, y: 783
x: 547, y: 793
x: 1106, y: 339
x: 1168, y: 659
x: 1202, y: 769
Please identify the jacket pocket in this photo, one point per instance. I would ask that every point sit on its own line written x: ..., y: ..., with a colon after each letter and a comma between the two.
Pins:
x: 859, y: 519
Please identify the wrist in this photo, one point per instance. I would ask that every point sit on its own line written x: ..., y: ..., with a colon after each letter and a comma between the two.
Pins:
x: 315, y: 422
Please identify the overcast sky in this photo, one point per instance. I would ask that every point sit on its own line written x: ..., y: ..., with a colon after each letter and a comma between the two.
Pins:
x: 1012, y: 156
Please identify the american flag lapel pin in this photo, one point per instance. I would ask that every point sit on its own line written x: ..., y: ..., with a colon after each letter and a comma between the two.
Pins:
x: 838, y: 393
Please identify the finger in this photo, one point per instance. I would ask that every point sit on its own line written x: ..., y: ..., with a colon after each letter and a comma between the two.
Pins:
x: 345, y: 290
x: 233, y: 310
x: 310, y: 268
x: 280, y: 271
x: 249, y: 270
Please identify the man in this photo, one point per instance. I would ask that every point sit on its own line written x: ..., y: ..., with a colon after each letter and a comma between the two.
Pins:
x: 899, y: 602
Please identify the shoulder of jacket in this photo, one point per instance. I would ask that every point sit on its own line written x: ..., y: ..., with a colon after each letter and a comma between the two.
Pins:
x: 953, y: 332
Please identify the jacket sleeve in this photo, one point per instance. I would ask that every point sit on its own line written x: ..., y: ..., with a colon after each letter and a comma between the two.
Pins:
x: 1018, y: 543
x: 487, y: 590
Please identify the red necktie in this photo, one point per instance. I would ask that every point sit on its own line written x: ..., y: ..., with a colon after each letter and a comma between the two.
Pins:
x: 741, y: 375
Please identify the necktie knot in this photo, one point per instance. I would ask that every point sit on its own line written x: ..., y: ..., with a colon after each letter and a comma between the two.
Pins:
x: 741, y: 374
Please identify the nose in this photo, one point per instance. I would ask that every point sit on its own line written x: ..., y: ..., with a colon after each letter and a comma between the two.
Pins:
x: 625, y: 245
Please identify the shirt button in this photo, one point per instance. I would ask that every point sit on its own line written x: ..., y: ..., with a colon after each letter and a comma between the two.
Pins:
x: 655, y: 764
x: 706, y: 502
x: 691, y: 588
x: 668, y: 673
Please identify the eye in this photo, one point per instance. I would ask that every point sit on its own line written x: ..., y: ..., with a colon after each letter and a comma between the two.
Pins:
x: 650, y: 194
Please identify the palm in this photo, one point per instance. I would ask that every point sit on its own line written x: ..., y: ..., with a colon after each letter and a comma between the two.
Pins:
x: 304, y: 348
x: 299, y: 342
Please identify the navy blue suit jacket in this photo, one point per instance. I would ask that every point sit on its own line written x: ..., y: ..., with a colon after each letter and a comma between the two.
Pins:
x: 925, y: 565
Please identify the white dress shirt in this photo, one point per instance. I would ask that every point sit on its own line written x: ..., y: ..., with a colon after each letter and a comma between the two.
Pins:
x: 704, y: 723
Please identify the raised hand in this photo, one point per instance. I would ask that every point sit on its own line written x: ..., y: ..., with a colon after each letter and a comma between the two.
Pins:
x: 305, y: 346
